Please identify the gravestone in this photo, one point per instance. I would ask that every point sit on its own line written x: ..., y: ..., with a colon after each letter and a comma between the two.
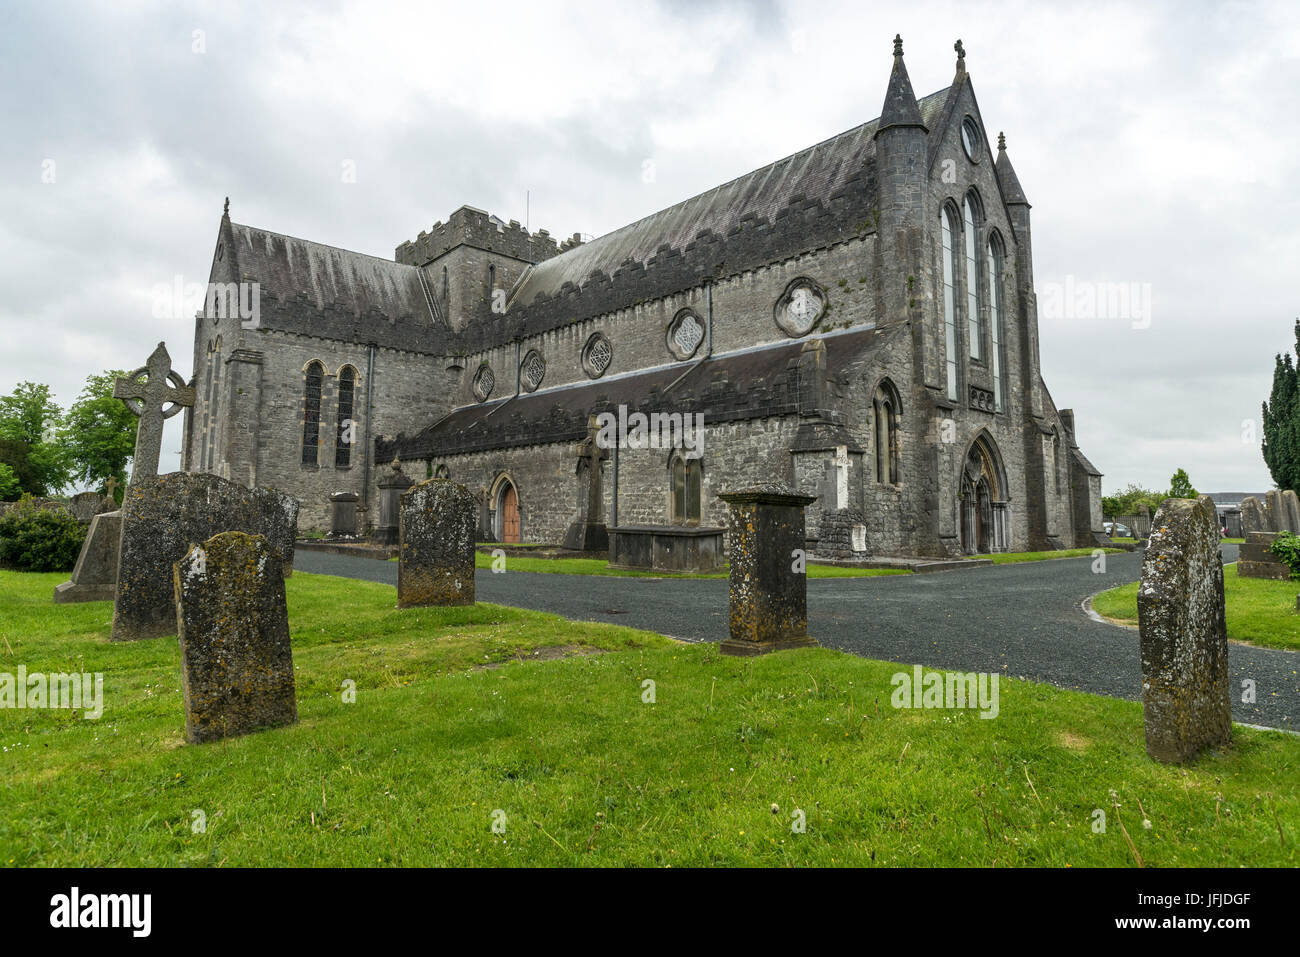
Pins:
x: 1291, y: 508
x: 84, y: 506
x: 1183, y: 635
x: 589, y: 532
x: 343, y: 514
x: 436, y: 558
x: 768, y: 584
x: 1232, y: 522
x: 236, y: 659
x: 1252, y: 515
x: 1142, y: 526
x: 148, y: 400
x: 95, y: 576
x: 1275, y: 511
x: 1255, y: 558
x: 163, y: 516
x: 392, y: 484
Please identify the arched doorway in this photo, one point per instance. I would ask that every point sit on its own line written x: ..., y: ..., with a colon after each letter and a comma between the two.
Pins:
x: 984, y: 509
x: 507, y: 512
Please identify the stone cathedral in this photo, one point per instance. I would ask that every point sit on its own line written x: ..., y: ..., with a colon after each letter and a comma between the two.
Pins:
x: 857, y: 321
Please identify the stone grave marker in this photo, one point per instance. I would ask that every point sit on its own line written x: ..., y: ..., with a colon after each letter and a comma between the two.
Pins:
x: 163, y: 516
x: 1275, y: 511
x: 84, y: 506
x: 148, y: 400
x: 94, y: 578
x: 392, y: 485
x: 236, y: 659
x: 1183, y: 635
x: 589, y: 531
x: 1252, y: 515
x: 1291, y: 508
x: 769, y: 586
x: 343, y: 514
x: 436, y: 557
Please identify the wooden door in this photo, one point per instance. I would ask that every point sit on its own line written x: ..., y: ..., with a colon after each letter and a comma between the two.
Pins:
x: 509, y: 515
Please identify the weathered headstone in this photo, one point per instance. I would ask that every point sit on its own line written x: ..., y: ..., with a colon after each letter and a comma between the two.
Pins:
x: 769, y: 585
x: 1291, y: 508
x: 84, y: 506
x: 589, y: 531
x: 95, y: 576
x: 392, y: 484
x: 163, y: 516
x: 1255, y: 558
x: 436, y: 558
x: 1252, y: 515
x: 343, y: 514
x: 236, y: 660
x: 1275, y: 511
x: 1184, y: 638
x: 149, y: 400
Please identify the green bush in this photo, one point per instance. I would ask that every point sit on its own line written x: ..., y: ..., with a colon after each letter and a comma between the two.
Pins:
x: 1287, y: 547
x: 39, y: 540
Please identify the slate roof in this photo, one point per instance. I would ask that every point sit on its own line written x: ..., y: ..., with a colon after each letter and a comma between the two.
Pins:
x: 745, y: 384
x: 354, y: 282
x: 815, y: 173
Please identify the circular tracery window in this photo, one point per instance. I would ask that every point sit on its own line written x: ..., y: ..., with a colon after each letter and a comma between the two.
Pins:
x: 970, y: 139
x: 484, y: 380
x: 800, y: 307
x: 685, y: 333
x: 532, y: 371
x: 597, y: 354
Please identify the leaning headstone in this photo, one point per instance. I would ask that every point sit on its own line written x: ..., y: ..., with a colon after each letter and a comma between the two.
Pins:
x: 1275, y: 511
x: 236, y: 660
x: 1183, y: 635
x: 1291, y: 508
x: 769, y: 586
x: 163, y: 516
x: 343, y: 514
x: 1252, y: 515
x: 392, y: 484
x: 94, y: 578
x: 436, y: 558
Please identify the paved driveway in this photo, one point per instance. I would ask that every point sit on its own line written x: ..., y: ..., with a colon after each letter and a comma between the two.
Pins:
x: 1024, y: 620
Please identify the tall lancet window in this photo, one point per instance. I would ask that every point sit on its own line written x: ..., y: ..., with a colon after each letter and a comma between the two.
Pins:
x: 947, y: 227
x: 971, y: 207
x: 995, y: 318
x: 347, y: 428
x: 311, y: 414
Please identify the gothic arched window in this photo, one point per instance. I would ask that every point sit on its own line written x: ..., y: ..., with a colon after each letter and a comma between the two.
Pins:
x: 947, y: 227
x: 345, y: 434
x: 885, y: 413
x: 971, y: 209
x: 995, y: 317
x: 686, y: 489
x: 1056, y: 459
x: 311, y: 414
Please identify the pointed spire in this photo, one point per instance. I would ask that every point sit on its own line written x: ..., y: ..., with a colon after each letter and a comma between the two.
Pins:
x: 1011, y: 190
x: 900, y: 107
x: 961, y: 59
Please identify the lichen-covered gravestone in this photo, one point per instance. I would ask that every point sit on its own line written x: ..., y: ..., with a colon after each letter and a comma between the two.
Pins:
x: 1275, y: 512
x: 1291, y: 508
x: 769, y: 584
x: 1252, y: 515
x: 436, y: 558
x: 236, y: 661
x: 1183, y: 634
x: 163, y: 516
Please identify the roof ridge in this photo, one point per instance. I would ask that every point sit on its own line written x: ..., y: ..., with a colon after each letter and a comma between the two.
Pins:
x: 312, y: 242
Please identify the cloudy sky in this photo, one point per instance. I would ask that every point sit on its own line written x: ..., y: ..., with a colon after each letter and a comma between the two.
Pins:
x: 1158, y: 144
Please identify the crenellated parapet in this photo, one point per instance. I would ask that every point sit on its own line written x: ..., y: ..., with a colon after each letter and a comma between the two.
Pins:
x: 474, y: 227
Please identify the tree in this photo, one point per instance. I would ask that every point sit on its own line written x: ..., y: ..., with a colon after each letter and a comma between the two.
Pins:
x: 1281, y: 422
x: 1180, y: 486
x: 30, y: 418
x: 99, y: 432
x: 1130, y: 501
x: 10, y: 488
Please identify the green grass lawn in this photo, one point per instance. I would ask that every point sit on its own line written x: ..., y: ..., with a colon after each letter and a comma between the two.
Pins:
x: 1258, y: 610
x: 582, y: 769
x: 1010, y: 558
x: 598, y: 566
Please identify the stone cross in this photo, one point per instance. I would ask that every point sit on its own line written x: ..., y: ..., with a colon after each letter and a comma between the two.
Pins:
x: 110, y: 487
x: 842, y: 476
x: 591, y: 452
x: 146, y: 399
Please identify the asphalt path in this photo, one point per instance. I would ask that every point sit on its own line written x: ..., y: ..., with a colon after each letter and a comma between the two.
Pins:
x: 1023, y: 620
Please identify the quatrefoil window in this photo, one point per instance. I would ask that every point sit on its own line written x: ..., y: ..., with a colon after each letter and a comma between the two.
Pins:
x: 685, y: 333
x: 484, y: 381
x: 597, y: 354
x: 531, y: 371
